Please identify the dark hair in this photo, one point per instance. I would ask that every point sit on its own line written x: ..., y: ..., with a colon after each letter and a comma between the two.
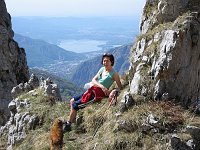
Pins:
x: 111, y: 57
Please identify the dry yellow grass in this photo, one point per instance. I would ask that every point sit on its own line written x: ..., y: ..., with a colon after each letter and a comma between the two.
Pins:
x: 108, y: 136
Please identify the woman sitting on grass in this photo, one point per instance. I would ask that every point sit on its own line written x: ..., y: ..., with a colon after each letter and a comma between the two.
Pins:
x: 101, y: 82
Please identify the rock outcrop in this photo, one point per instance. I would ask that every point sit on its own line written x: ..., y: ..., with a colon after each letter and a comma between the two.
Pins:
x: 22, y: 119
x: 165, y: 61
x: 13, y: 65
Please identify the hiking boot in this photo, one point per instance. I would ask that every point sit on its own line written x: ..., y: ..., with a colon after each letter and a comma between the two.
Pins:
x: 66, y: 126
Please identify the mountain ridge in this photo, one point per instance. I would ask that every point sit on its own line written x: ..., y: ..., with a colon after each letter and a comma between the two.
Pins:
x: 40, y: 53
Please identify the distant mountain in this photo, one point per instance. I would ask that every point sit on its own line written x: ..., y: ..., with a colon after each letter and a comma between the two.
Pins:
x: 67, y: 88
x: 113, y: 30
x: 40, y: 53
x: 86, y: 70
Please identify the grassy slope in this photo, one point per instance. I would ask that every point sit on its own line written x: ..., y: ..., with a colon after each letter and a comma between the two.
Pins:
x: 107, y: 136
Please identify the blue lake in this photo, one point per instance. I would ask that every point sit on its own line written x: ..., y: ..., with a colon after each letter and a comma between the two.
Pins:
x: 81, y: 46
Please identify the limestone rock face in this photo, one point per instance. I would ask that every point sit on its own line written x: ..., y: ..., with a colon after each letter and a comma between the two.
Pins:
x: 161, y: 11
x: 19, y: 122
x: 21, y: 119
x: 166, y: 57
x: 13, y: 65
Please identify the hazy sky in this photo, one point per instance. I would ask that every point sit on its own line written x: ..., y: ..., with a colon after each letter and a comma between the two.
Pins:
x: 75, y: 7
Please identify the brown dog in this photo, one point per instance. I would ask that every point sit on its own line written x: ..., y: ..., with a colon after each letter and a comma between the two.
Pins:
x: 56, y: 135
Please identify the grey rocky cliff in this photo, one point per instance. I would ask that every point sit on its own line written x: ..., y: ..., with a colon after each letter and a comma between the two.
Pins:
x: 13, y: 65
x: 22, y: 120
x: 165, y: 61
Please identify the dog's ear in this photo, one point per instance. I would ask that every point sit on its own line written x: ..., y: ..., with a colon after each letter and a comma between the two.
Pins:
x: 60, y: 122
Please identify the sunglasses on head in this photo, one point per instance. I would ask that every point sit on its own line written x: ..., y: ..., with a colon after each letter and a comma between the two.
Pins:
x: 107, y: 54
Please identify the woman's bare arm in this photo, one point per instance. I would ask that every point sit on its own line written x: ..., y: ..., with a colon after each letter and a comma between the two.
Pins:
x: 116, y: 78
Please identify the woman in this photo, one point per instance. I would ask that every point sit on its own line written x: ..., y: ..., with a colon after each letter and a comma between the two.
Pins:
x: 102, y: 81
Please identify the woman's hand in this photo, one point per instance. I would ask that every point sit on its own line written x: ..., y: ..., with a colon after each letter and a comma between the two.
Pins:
x: 112, y: 94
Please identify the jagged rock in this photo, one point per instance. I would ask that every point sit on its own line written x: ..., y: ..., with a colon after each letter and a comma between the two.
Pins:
x: 158, y: 12
x: 41, y: 82
x: 196, y: 106
x: 19, y: 122
x: 13, y: 65
x: 126, y: 126
x: 79, y: 126
x: 126, y: 103
x: 159, y: 87
x: 118, y: 114
x: 16, y: 91
x: 21, y: 86
x: 165, y: 96
x: 151, y: 119
x: 170, y: 40
x: 48, y: 81
x: 146, y: 128
x: 151, y: 124
x: 140, y: 49
x: 51, y: 89
x: 12, y: 107
x: 27, y: 87
x: 48, y: 90
x: 56, y: 92
x: 194, y: 132
x: 135, y: 83
x: 33, y: 81
x: 177, y: 144
x: 191, y: 144
x: 31, y: 84
x: 79, y: 120
x: 144, y: 91
x: 33, y: 122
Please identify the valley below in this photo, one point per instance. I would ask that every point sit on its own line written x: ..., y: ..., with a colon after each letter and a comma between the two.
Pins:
x: 60, y: 45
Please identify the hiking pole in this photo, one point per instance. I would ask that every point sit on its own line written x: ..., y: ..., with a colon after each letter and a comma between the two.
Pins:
x: 101, y: 119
